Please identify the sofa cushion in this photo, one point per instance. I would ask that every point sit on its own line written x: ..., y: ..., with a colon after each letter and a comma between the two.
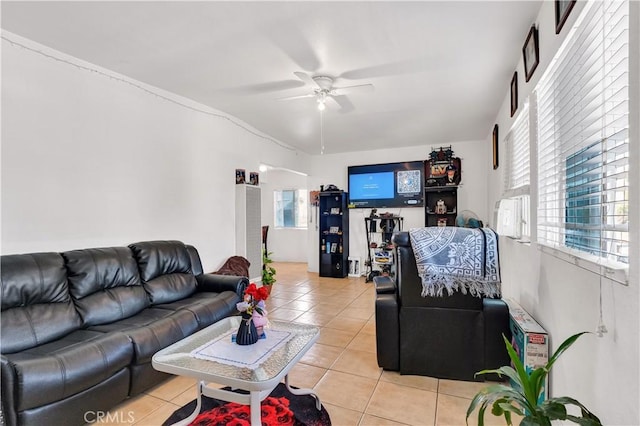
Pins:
x: 36, y: 306
x: 67, y: 366
x: 105, y: 284
x: 152, y: 329
x: 207, y: 307
x: 75, y: 409
x: 196, y: 265
x: 165, y: 268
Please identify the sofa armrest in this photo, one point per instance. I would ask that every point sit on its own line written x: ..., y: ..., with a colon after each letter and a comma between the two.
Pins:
x: 8, y: 392
x: 496, y: 324
x: 387, y: 324
x: 384, y: 285
x: 220, y: 283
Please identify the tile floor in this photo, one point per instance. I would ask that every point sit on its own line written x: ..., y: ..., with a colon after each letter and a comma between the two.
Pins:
x: 341, y: 366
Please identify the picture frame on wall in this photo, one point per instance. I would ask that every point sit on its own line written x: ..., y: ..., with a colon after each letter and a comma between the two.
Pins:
x: 314, y: 198
x: 240, y: 176
x: 514, y: 93
x: 531, y: 53
x: 254, y: 178
x: 494, y: 142
x: 563, y: 9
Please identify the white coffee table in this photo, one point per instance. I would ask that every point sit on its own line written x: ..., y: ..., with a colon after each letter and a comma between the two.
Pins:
x: 259, y: 381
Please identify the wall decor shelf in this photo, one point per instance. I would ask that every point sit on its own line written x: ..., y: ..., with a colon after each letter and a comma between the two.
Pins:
x: 441, y: 205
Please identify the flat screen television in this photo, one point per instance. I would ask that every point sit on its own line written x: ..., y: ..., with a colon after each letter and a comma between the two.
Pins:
x: 386, y: 185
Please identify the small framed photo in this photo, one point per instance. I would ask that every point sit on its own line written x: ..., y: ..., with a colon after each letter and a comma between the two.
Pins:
x: 531, y: 53
x: 334, y: 229
x: 314, y: 198
x: 254, y: 178
x: 494, y: 142
x: 563, y: 9
x: 335, y: 210
x: 334, y: 247
x: 240, y: 176
x: 514, y: 93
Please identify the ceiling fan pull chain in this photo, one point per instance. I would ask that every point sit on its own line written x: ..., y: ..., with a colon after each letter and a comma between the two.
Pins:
x: 321, y: 133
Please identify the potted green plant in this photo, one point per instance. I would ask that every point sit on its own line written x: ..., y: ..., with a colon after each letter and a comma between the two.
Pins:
x: 268, y: 271
x: 522, y: 397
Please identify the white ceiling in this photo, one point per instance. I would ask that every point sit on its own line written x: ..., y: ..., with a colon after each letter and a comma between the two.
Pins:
x: 441, y: 69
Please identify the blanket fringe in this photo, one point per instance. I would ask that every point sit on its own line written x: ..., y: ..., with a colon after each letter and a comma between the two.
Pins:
x: 435, y: 285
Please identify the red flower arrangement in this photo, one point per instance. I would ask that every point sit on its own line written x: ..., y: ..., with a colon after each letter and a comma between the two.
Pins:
x: 254, y: 298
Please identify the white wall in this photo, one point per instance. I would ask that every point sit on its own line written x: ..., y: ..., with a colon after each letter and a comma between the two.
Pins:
x: 287, y: 244
x: 332, y: 169
x: 602, y: 373
x: 92, y: 159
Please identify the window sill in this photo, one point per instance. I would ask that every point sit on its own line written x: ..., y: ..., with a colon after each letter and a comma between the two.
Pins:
x: 524, y: 241
x: 613, y: 271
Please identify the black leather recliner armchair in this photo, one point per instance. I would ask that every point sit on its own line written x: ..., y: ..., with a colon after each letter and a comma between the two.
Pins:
x: 450, y: 337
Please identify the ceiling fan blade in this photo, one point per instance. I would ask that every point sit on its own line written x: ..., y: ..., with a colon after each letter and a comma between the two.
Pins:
x: 330, y: 100
x: 258, y: 88
x: 288, y: 98
x: 343, y: 102
x: 306, y: 78
x: 288, y: 37
x: 352, y: 89
x: 390, y: 69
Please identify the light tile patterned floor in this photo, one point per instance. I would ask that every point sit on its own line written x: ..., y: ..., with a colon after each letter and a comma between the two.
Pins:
x: 341, y: 366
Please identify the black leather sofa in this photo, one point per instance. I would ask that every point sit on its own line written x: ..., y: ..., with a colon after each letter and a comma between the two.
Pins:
x: 79, y: 328
x: 450, y: 337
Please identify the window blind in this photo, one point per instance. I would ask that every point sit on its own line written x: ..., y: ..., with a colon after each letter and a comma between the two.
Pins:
x: 583, y: 137
x: 517, y: 172
x: 516, y: 175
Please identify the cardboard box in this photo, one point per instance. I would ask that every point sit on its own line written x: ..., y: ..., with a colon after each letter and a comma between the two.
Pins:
x: 529, y: 339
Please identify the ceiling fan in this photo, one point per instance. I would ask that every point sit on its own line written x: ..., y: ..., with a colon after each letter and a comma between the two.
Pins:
x: 324, y: 91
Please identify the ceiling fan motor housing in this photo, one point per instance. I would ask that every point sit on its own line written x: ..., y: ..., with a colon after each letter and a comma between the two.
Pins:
x: 325, y: 83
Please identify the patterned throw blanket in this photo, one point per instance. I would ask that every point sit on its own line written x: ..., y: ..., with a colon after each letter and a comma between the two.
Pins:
x: 457, y: 259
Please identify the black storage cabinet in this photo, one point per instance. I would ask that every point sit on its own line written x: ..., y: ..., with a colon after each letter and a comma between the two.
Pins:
x: 334, y: 234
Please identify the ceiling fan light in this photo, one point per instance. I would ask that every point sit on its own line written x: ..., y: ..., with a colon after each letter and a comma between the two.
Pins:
x: 321, y: 105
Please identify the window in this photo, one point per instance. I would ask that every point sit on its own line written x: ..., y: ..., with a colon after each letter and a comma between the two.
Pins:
x: 516, y: 175
x: 516, y: 180
x: 290, y: 208
x: 583, y: 199
x: 583, y: 137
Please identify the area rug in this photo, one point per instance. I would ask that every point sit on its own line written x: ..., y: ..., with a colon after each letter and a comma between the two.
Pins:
x: 280, y: 408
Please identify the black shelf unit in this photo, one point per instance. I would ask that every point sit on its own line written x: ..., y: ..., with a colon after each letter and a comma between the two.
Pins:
x: 380, y: 258
x: 434, y: 216
x: 334, y: 234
